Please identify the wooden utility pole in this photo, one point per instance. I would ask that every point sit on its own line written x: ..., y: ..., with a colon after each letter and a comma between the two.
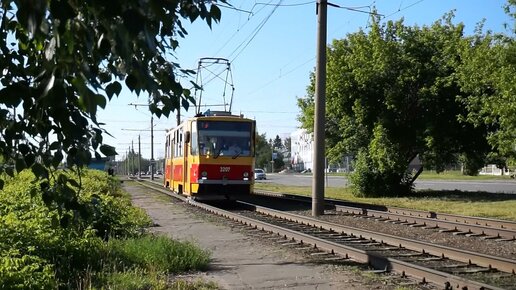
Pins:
x: 320, y: 111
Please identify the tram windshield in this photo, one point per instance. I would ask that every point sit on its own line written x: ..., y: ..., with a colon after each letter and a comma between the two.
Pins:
x: 219, y: 138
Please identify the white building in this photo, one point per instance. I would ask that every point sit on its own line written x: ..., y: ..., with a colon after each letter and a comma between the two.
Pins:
x: 301, y: 150
x: 492, y: 169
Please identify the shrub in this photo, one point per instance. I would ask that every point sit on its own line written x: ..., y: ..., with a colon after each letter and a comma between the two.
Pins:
x: 38, y: 251
x: 18, y: 271
x: 369, y: 181
x: 31, y: 229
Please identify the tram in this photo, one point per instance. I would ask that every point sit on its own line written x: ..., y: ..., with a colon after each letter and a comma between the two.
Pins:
x: 211, y: 156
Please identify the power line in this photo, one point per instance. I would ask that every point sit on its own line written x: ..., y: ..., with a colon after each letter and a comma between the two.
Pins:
x: 229, y: 6
x: 285, y: 5
x: 355, y: 9
x: 404, y: 8
x: 241, y: 27
x: 282, y: 75
x: 255, y: 32
x: 143, y: 130
x: 271, y: 112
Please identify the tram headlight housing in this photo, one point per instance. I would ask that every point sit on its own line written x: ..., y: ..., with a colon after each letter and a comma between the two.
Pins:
x: 204, y: 174
x: 246, y: 174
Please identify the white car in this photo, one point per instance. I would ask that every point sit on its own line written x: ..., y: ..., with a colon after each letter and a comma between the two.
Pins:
x: 259, y: 174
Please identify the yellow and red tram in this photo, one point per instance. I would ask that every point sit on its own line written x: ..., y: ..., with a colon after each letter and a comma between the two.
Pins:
x: 211, y: 156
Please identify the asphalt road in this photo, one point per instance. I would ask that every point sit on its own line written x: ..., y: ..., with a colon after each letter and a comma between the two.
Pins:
x: 500, y: 186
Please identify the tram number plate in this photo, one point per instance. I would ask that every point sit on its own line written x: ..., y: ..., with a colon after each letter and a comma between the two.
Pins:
x: 224, y: 169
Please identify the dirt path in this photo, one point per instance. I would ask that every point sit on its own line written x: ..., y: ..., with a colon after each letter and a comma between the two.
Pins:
x: 240, y: 261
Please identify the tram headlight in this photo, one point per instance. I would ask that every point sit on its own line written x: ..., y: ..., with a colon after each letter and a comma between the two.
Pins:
x: 246, y: 174
x: 204, y: 174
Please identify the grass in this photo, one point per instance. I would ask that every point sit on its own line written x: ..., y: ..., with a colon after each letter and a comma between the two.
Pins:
x: 157, y: 253
x: 148, y: 262
x: 481, y: 204
x: 457, y: 175
x: 135, y: 279
x: 138, y: 279
x: 448, y: 175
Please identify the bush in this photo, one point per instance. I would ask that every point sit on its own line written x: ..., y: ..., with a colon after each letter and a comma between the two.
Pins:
x: 369, y: 181
x: 38, y: 251
x: 35, y: 233
x: 19, y: 271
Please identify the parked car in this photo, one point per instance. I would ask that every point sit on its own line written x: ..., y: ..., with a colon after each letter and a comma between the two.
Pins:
x: 259, y: 174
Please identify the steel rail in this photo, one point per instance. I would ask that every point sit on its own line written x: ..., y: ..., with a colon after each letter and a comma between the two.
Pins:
x: 461, y: 228
x: 507, y: 229
x: 499, y: 263
x: 448, y: 281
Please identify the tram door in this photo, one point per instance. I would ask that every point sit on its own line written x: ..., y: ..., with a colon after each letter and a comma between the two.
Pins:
x: 186, y: 165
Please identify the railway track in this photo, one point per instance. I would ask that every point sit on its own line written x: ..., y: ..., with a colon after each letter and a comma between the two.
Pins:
x: 482, y: 228
x: 445, y: 267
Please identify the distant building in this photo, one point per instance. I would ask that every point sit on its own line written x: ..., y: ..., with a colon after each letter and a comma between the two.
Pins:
x: 492, y: 169
x: 302, y: 154
x: 301, y: 150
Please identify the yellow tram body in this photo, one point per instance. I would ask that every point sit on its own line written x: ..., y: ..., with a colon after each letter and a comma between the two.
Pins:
x: 211, y: 156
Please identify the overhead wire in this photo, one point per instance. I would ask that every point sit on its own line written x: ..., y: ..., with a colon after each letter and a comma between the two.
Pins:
x: 254, y: 34
x: 354, y: 9
x: 286, y: 5
x: 251, y: 14
x: 404, y: 8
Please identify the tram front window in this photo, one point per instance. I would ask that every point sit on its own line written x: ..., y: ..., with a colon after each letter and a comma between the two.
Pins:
x: 218, y: 138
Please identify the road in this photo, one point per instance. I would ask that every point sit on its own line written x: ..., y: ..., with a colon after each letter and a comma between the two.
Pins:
x: 501, y: 186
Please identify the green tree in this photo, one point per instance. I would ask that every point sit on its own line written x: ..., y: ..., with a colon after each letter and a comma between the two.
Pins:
x: 287, y: 144
x: 279, y: 164
x: 263, y: 151
x: 277, y: 144
x: 487, y: 76
x: 392, y: 95
x: 62, y: 60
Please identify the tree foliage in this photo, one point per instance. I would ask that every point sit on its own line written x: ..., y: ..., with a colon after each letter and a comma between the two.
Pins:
x: 396, y: 92
x: 287, y: 144
x: 263, y: 151
x: 61, y: 61
x: 487, y: 76
x: 277, y: 143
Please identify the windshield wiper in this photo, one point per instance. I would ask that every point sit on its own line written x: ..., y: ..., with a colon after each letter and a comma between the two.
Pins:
x: 217, y: 154
x: 236, y: 155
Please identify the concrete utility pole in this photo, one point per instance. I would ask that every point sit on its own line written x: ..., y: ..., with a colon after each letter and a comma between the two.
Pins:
x: 132, y: 157
x: 320, y: 111
x: 139, y: 158
x: 127, y: 162
x: 152, y: 148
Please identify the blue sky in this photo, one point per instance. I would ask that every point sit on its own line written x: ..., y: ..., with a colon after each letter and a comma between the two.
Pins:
x: 272, y: 52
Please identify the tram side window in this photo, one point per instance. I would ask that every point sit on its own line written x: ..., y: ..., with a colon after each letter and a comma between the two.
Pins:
x: 171, y: 146
x: 167, y: 152
x: 176, y: 144
x: 179, y: 144
x: 193, y: 142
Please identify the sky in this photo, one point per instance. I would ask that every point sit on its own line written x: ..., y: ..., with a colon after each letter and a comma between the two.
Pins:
x: 271, y: 48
